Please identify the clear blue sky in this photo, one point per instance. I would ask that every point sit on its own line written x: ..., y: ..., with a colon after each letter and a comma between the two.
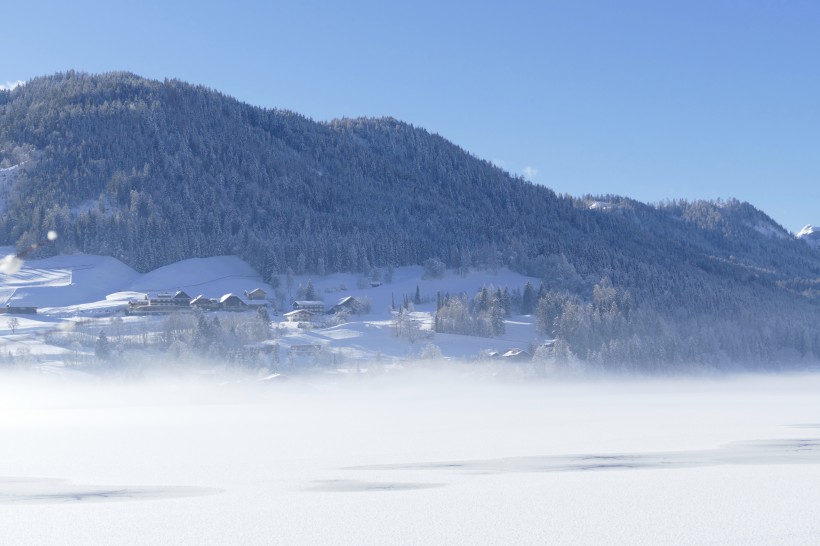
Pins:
x: 649, y: 99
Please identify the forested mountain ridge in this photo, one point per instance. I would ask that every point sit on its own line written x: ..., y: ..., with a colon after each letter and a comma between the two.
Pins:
x: 153, y: 172
x: 172, y: 170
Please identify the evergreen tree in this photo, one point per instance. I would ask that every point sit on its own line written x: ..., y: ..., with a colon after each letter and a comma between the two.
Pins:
x: 528, y: 300
x: 102, y: 348
x: 310, y: 292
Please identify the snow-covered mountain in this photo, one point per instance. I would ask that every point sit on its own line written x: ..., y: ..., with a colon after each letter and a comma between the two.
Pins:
x: 810, y: 234
x: 155, y: 173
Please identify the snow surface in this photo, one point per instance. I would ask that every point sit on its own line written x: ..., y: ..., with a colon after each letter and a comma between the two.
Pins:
x: 420, y: 457
x: 66, y: 280
x: 211, y: 277
x: 86, y: 282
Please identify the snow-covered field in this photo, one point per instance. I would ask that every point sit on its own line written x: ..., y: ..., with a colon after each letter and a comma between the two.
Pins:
x: 421, y: 456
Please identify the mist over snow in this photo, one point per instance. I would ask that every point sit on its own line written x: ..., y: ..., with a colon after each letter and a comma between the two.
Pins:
x: 430, y: 454
x: 184, y: 428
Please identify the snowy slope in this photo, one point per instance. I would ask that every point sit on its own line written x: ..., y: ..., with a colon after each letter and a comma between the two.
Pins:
x: 66, y: 280
x: 371, y: 336
x: 65, y: 288
x: 405, y: 280
x: 211, y: 277
x: 79, y: 279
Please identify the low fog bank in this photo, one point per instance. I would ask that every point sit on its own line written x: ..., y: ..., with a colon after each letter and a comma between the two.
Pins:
x: 445, y: 409
x: 162, y: 373
x: 170, y: 383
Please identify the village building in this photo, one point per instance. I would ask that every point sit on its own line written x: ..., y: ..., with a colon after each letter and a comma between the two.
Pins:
x: 204, y: 304
x: 307, y: 354
x: 517, y: 355
x: 178, y: 299
x: 317, y: 307
x: 229, y: 302
x: 347, y: 304
x: 164, y: 302
x: 305, y: 349
x: 255, y: 294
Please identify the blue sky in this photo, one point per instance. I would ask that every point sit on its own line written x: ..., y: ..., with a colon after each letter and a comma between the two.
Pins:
x: 653, y: 100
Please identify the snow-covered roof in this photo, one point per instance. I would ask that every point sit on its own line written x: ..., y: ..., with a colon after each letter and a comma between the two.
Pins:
x: 515, y: 352
x: 226, y: 297
x: 178, y: 295
x: 294, y: 313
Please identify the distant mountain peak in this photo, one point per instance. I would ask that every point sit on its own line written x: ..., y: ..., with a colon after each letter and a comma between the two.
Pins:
x: 806, y: 231
x: 810, y: 234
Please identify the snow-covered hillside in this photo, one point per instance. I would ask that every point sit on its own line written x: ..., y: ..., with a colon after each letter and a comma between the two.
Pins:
x: 84, y: 287
x: 66, y: 280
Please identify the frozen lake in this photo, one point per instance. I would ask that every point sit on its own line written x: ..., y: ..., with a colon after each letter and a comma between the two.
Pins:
x: 411, y: 458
